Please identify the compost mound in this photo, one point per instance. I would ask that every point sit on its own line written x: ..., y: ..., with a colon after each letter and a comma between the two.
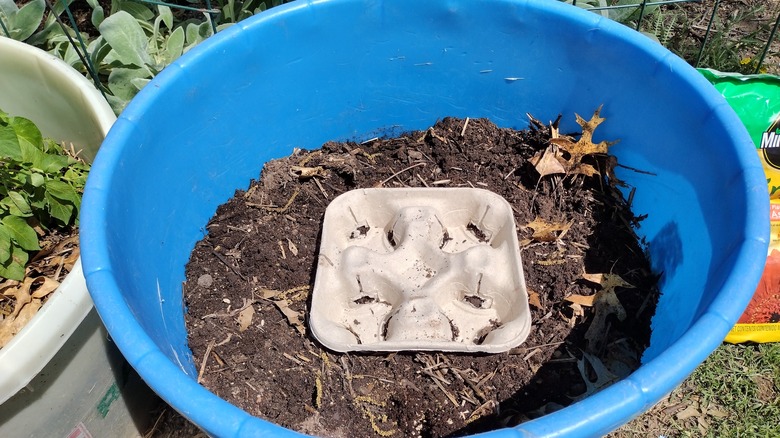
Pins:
x: 591, y: 290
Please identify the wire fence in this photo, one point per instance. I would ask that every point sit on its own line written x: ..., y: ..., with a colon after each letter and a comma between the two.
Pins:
x: 203, y: 18
x: 642, y: 7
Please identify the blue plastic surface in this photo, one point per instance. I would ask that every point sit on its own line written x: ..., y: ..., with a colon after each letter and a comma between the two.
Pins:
x: 313, y: 71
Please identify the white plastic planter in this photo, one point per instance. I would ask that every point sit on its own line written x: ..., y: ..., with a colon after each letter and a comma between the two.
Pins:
x: 60, y: 375
x: 420, y: 269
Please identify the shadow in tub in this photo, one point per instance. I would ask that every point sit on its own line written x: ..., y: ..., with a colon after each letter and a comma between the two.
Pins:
x: 605, y: 341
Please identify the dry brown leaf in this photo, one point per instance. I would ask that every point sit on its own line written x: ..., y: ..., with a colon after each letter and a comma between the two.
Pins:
x: 582, y: 300
x: 292, y: 247
x: 12, y: 325
x: 604, y: 377
x: 45, y: 286
x: 765, y: 388
x: 344, y: 164
x: 717, y: 413
x: 307, y: 172
x: 584, y: 146
x: 28, y: 296
x: 585, y: 169
x: 245, y: 318
x: 293, y: 294
x: 611, y: 164
x: 548, y: 231
x: 71, y: 258
x: 554, y: 131
x: 703, y: 425
x: 72, y: 242
x: 606, y: 304
x: 28, y: 311
x: 21, y: 296
x: 67, y: 247
x: 688, y: 412
x: 71, y: 249
x: 576, y: 311
x: 7, y: 330
x: 269, y: 293
x: 607, y: 281
x: 293, y: 317
x: 548, y: 162
x: 7, y: 284
x: 533, y: 299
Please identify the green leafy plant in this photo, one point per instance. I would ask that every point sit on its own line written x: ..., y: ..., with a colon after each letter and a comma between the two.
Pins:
x: 21, y: 23
x: 623, y: 11
x: 233, y: 11
x: 136, y: 43
x: 662, y: 27
x: 40, y: 187
x: 733, y: 42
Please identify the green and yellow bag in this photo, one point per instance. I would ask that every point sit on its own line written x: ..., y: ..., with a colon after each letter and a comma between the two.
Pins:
x: 756, y: 100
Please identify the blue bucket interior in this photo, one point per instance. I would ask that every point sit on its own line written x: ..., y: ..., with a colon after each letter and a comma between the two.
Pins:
x: 313, y: 71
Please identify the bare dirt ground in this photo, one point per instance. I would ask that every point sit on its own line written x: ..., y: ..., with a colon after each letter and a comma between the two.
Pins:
x: 738, y: 34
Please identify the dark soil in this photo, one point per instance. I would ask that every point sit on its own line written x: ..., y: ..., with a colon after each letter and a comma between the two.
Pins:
x: 248, y: 282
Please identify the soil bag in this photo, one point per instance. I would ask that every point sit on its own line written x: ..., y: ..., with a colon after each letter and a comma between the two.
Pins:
x: 756, y: 100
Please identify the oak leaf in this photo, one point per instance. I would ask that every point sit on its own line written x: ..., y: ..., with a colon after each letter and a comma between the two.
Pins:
x: 582, y: 300
x: 586, y: 169
x: 603, y: 376
x: 21, y: 295
x: 9, y: 327
x: 582, y: 147
x: 294, y: 318
x: 25, y: 307
x: 606, y: 304
x: 45, y: 286
x: 544, y: 231
x: 607, y: 281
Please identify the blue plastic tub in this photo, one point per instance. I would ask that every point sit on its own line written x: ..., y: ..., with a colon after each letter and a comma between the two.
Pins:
x: 308, y: 72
